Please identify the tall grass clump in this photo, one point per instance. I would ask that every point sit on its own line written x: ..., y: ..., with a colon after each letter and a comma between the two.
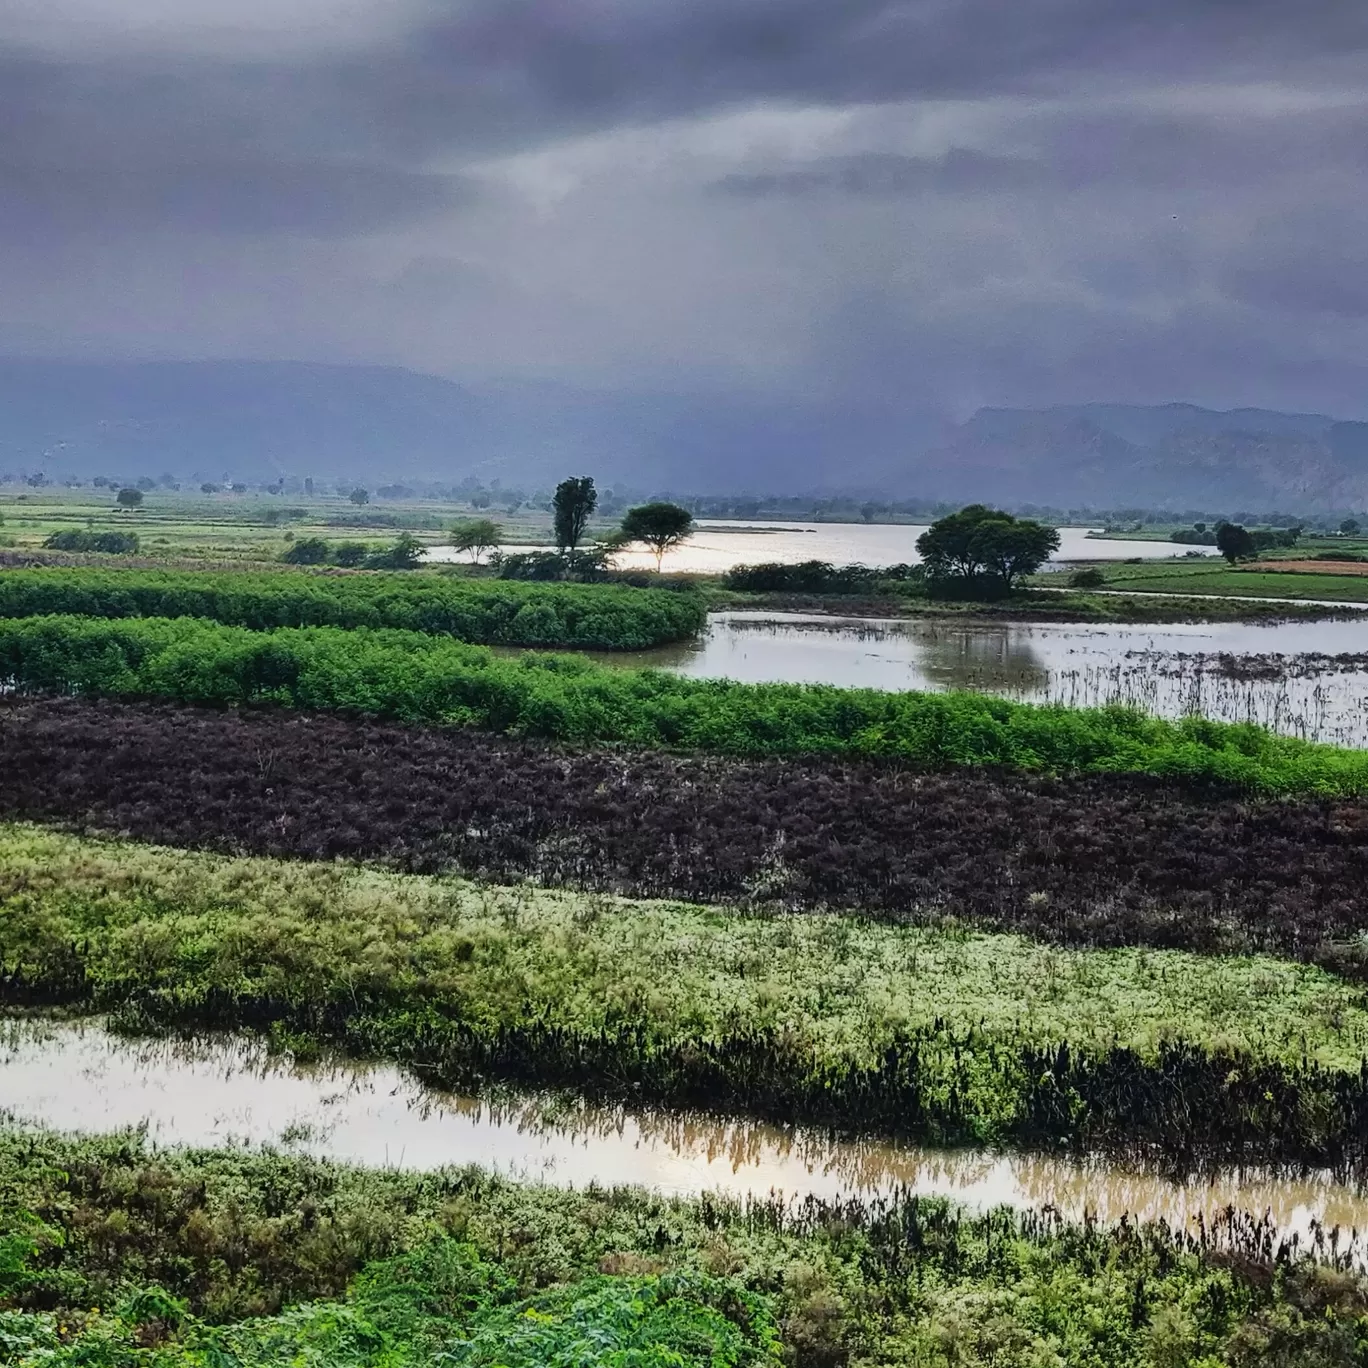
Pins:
x: 489, y: 612
x: 417, y: 678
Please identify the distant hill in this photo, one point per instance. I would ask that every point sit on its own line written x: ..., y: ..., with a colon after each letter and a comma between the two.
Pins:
x: 1174, y: 455
x: 257, y: 420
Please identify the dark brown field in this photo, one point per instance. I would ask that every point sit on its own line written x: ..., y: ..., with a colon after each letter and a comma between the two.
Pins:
x: 1105, y: 860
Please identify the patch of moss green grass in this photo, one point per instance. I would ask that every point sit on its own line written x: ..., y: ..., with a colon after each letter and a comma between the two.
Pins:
x: 932, y: 1030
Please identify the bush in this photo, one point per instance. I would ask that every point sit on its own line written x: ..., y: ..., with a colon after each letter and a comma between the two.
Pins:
x: 599, y: 617
x: 817, y: 577
x: 110, y: 543
x: 308, y: 551
x: 404, y: 675
x: 1088, y: 578
x: 586, y: 566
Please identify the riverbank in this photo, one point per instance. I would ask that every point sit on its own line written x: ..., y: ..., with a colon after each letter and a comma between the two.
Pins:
x: 932, y: 1032
x: 417, y: 1263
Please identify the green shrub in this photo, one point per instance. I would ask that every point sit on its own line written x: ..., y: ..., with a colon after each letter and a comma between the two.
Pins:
x: 601, y: 617
x: 417, y: 678
x: 111, y: 543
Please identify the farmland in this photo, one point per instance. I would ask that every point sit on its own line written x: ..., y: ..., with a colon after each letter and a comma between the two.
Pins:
x: 489, y: 612
x: 413, y: 677
x: 329, y: 815
x: 1100, y: 860
x: 936, y: 1031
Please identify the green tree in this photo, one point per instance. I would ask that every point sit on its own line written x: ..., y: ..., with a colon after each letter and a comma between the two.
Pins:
x: 661, y: 526
x: 359, y: 496
x: 308, y: 551
x: 1349, y: 527
x: 128, y: 497
x: 573, y: 506
x: 350, y: 553
x: 476, y: 535
x: 1234, y: 542
x: 405, y: 554
x: 982, y: 550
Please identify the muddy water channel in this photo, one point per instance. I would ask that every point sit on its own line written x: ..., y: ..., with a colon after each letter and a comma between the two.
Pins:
x: 1307, y: 679
x: 216, y: 1091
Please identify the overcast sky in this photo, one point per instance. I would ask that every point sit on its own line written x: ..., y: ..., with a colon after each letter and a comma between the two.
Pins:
x: 948, y: 202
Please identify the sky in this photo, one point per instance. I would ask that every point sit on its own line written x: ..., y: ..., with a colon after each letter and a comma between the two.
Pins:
x: 944, y: 203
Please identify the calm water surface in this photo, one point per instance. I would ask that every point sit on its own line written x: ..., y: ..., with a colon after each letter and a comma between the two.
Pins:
x: 717, y: 546
x: 1171, y: 670
x: 225, y: 1090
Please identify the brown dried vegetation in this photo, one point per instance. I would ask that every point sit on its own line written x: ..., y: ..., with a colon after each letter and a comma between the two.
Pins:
x: 1105, y: 860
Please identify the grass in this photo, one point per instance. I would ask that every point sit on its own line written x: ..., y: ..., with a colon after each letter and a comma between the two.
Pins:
x: 416, y: 678
x: 247, y: 527
x: 276, y: 1260
x: 941, y: 1031
x: 1206, y: 577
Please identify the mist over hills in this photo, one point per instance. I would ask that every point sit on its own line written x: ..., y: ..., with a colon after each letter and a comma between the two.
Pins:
x: 262, y: 420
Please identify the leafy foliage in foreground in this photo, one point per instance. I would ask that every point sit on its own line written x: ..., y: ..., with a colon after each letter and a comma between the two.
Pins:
x: 420, y: 678
x: 440, y: 1304
x: 455, y: 1260
x: 936, y: 1032
x: 606, y: 617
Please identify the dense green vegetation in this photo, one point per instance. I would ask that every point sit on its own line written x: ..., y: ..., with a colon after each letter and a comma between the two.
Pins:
x: 936, y: 1031
x: 109, y: 543
x: 606, y: 617
x: 118, y: 1254
x: 420, y: 678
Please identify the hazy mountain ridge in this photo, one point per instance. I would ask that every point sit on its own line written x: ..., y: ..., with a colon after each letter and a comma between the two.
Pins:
x: 257, y: 420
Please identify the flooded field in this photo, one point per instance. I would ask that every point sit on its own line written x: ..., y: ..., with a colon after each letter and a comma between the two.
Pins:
x: 226, y: 1090
x: 717, y: 546
x: 1306, y: 679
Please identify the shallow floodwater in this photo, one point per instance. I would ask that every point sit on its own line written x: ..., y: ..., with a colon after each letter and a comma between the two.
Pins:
x: 226, y: 1090
x: 718, y: 545
x: 1172, y: 670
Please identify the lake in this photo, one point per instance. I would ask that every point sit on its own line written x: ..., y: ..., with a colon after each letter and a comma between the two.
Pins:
x: 717, y: 546
x: 215, y: 1091
x: 1171, y: 670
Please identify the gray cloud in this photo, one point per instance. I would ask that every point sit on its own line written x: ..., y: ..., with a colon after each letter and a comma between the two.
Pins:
x: 957, y: 200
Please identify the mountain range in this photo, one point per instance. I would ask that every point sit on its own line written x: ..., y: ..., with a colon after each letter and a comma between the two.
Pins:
x: 260, y: 420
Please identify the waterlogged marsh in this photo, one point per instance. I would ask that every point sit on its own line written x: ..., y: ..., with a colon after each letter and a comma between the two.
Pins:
x: 1303, y: 679
x: 226, y: 1090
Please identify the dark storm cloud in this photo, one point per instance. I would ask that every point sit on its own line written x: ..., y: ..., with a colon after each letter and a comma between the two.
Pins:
x: 990, y: 198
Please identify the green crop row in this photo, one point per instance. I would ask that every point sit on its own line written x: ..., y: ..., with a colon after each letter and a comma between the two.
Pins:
x: 418, y: 678
x: 114, y: 1254
x: 937, y: 1032
x: 490, y: 612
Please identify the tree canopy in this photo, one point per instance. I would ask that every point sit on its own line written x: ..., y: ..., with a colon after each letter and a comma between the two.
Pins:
x: 660, y: 525
x: 1235, y: 542
x: 575, y: 502
x: 476, y: 535
x: 129, y: 498
x: 982, y: 550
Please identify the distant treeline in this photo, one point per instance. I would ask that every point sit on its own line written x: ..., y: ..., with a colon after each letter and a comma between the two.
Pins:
x: 408, y: 676
x: 604, y: 617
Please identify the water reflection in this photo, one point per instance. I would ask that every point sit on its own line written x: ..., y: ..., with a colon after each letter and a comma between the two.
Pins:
x: 1305, y: 684
x: 227, y: 1090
